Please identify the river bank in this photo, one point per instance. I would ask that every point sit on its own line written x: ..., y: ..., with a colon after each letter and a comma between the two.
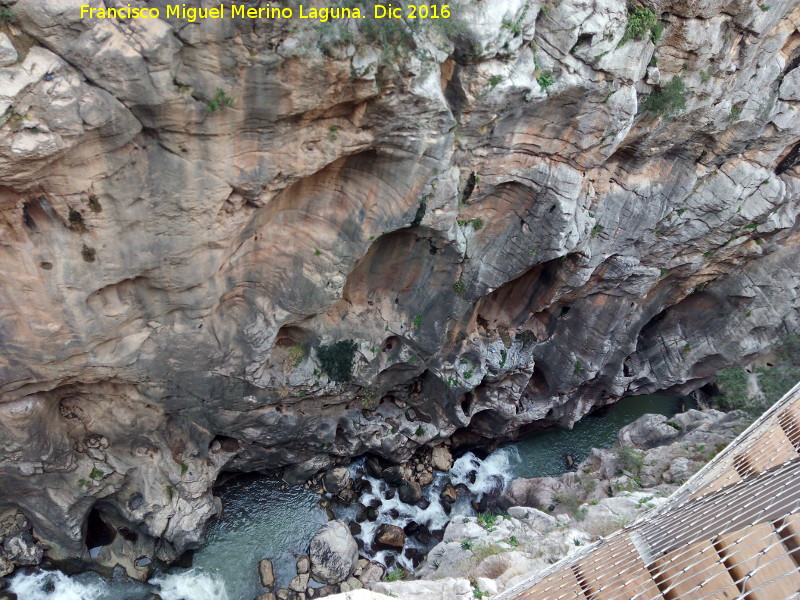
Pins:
x: 265, y: 518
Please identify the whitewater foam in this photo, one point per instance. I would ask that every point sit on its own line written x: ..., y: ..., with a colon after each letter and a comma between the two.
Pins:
x: 488, y: 476
x: 53, y: 585
x: 191, y: 585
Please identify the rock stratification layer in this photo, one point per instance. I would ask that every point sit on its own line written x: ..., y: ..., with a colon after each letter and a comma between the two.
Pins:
x: 484, y: 205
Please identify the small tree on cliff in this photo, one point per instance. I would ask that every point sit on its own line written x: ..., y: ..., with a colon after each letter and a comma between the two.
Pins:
x: 337, y: 359
x: 668, y: 99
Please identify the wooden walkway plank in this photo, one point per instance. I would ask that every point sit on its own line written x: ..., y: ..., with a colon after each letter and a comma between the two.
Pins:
x: 758, y: 562
x: 561, y: 585
x: 618, y: 572
x: 771, y: 449
x: 692, y: 573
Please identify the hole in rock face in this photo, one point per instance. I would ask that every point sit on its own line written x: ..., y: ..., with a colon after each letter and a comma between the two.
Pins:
x: 466, y: 403
x: 391, y: 342
x: 98, y: 533
x: 537, y: 385
x: 627, y: 368
x: 472, y: 180
x: 223, y: 443
x: 142, y: 561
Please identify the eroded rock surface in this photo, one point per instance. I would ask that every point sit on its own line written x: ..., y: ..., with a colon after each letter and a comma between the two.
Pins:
x: 333, y: 553
x: 190, y: 211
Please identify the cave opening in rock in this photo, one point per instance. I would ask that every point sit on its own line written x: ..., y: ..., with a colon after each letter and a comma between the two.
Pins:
x: 466, y: 403
x: 98, y: 532
x: 222, y: 443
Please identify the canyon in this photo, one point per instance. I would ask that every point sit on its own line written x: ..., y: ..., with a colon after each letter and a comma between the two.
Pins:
x: 488, y: 225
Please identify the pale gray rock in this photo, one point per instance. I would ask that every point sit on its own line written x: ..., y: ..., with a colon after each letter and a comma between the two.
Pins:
x: 303, y: 564
x: 335, y: 480
x: 333, y: 553
x: 442, y: 589
x: 299, y: 583
x: 266, y: 573
x: 441, y: 459
x: 8, y: 54
x: 648, y: 431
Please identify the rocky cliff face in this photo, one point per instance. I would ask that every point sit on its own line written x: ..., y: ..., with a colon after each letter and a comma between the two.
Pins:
x: 487, y: 208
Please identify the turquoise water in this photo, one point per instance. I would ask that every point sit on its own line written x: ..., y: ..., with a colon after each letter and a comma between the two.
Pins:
x: 542, y: 454
x: 264, y: 519
x: 260, y: 521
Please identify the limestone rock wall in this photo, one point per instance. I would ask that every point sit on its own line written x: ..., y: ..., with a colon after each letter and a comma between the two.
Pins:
x: 188, y: 211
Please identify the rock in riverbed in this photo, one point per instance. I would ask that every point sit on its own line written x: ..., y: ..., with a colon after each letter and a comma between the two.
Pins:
x: 389, y: 537
x: 333, y: 553
x: 266, y: 574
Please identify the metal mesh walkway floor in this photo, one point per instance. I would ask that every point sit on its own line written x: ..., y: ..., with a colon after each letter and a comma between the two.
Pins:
x: 731, y: 531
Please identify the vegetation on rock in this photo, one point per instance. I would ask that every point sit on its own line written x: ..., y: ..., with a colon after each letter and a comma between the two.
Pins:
x: 773, y: 381
x: 667, y: 99
x: 219, y: 101
x: 337, y: 359
x: 641, y: 22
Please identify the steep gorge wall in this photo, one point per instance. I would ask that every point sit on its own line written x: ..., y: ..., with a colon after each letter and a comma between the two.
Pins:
x: 505, y: 253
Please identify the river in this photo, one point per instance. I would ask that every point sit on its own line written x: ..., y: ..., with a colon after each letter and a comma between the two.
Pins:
x: 264, y: 518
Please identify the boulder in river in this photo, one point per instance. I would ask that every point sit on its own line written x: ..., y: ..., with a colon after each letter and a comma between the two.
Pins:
x: 389, y: 537
x: 648, y: 431
x: 410, y: 493
x: 372, y: 573
x: 333, y: 553
x: 266, y: 573
x: 335, y: 480
x: 299, y: 583
x: 394, y: 475
x: 448, y: 494
x: 373, y: 468
x: 441, y: 458
x: 303, y: 564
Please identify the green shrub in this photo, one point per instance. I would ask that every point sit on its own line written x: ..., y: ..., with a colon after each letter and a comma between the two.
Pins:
x: 466, y: 545
x: 219, y: 101
x: 296, y: 354
x: 396, y: 575
x: 96, y: 473
x: 545, y: 80
x: 641, y: 22
x: 630, y: 459
x: 458, y: 286
x: 732, y: 384
x: 394, y: 36
x: 337, y: 359
x: 417, y: 321
x: 487, y: 520
x: 7, y: 15
x: 494, y: 80
x: 668, y: 99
